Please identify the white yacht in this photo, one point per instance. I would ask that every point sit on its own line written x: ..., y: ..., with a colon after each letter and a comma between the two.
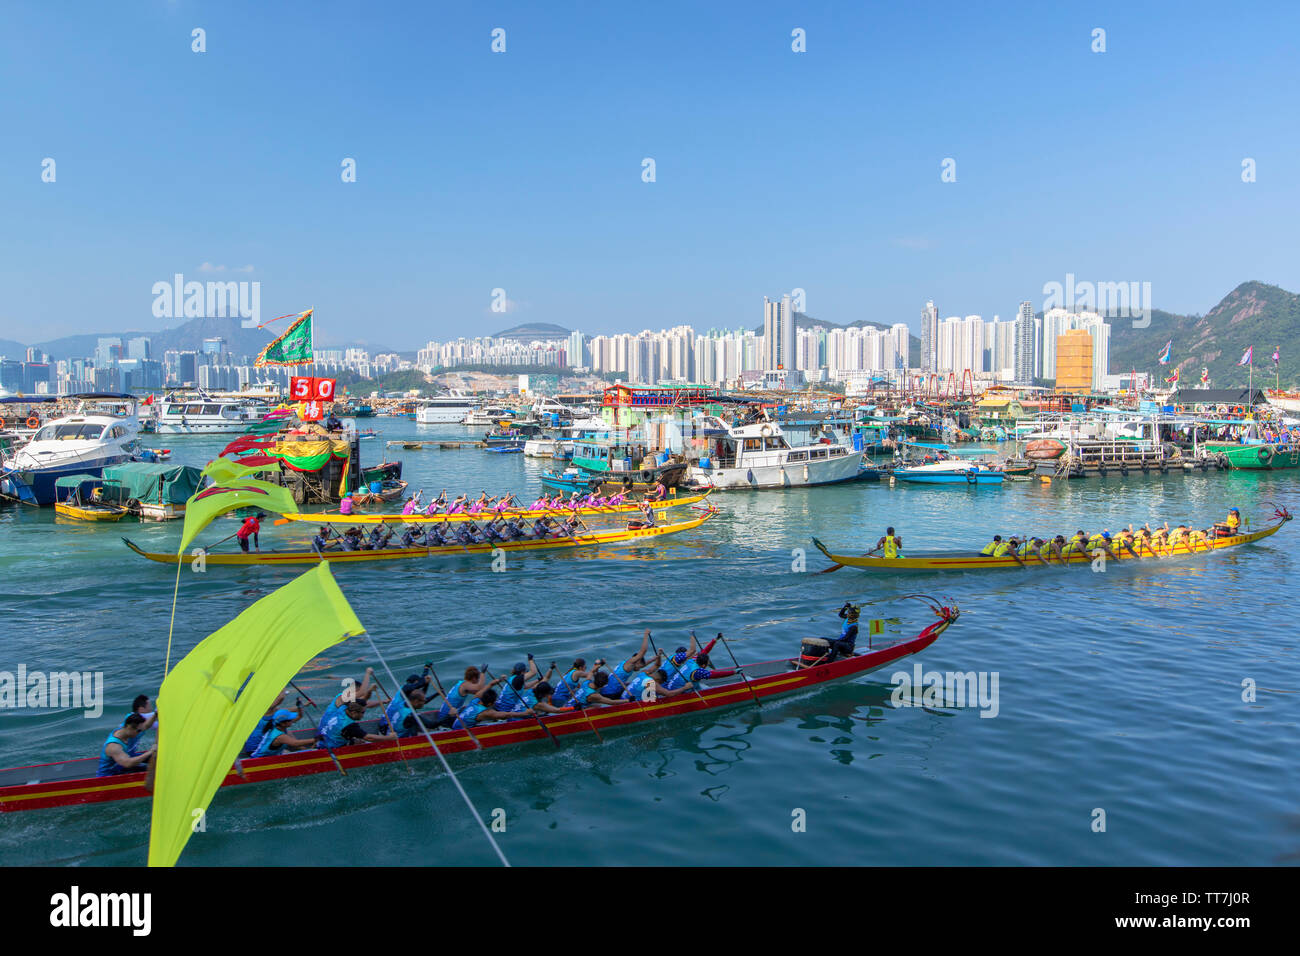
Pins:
x: 757, y: 455
x: 449, y: 409
x: 104, y: 430
x: 487, y: 415
x: 205, y: 415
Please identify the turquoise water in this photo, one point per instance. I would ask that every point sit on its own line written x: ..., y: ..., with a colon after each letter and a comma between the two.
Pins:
x: 1119, y: 690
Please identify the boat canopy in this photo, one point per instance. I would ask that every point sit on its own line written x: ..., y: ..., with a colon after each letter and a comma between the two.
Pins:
x: 161, y: 483
x: 75, y: 481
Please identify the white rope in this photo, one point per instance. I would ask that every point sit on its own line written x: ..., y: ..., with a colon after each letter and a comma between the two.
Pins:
x: 446, y: 766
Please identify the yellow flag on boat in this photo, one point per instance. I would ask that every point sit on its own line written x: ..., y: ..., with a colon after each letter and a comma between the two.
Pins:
x: 214, y: 501
x: 876, y: 626
x: 222, y: 470
x: 213, y: 698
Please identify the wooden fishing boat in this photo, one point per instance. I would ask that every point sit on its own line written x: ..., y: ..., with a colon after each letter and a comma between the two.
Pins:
x: 78, y: 496
x: 391, y: 489
x: 628, y: 508
x: 590, y: 539
x: 72, y: 782
x: 967, y: 561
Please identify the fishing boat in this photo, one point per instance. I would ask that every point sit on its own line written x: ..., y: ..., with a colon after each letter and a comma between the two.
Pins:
x: 389, y: 489
x: 757, y: 455
x: 73, y: 782
x: 1252, y: 451
x: 627, y: 508
x: 966, y: 561
x: 599, y: 538
x: 79, y: 497
x: 953, y: 471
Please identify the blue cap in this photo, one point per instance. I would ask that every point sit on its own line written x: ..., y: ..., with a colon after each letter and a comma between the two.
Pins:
x: 519, y: 668
x: 282, y: 715
x: 1106, y: 535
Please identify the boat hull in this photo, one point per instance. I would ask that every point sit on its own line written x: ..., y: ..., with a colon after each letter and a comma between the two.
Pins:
x: 41, y: 483
x: 958, y: 561
x: 26, y: 788
x: 595, y: 539
x: 1263, y: 457
x: 827, y: 471
x: 949, y: 477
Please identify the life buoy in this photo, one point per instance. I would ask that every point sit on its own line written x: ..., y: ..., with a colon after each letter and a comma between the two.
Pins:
x: 1146, y: 467
x: 1101, y: 469
x: 33, y: 421
x: 1238, y: 410
x: 766, y: 431
x: 2, y: 423
x: 1265, y: 454
x: 1179, y: 409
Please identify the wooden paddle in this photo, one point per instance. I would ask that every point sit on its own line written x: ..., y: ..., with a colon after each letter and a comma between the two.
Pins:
x: 739, y: 670
x: 692, y: 683
x: 396, y: 732
x: 590, y: 723
x: 447, y: 699
x: 541, y: 723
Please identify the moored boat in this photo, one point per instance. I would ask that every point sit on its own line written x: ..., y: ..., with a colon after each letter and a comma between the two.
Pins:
x: 73, y: 782
x: 79, y: 497
x: 953, y: 471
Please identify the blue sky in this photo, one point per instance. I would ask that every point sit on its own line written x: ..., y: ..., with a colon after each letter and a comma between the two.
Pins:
x: 522, y: 170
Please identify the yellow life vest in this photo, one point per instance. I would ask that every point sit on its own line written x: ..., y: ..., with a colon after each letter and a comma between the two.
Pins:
x: 990, y: 548
x: 891, y: 546
x: 1232, y: 521
x: 1097, y: 541
x: 1031, y: 548
x: 1001, y: 549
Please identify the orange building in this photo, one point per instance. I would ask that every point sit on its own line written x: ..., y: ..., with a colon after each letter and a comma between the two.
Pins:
x: 1074, y: 361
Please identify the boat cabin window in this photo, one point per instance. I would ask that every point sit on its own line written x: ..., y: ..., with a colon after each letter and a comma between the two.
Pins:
x: 229, y: 411
x: 818, y: 453
x: 753, y: 444
x: 69, y: 433
x: 776, y: 442
x: 798, y: 456
x: 193, y: 409
x: 211, y: 409
x: 175, y: 409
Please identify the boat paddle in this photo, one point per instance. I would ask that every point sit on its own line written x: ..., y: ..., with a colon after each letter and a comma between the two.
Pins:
x: 536, y: 716
x: 662, y: 659
x: 401, y: 753
x: 590, y: 723
x: 447, y: 699
x: 739, y: 670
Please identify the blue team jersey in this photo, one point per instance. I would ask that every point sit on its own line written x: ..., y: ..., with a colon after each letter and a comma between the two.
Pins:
x: 107, y: 765
x: 265, y: 748
x: 617, y: 682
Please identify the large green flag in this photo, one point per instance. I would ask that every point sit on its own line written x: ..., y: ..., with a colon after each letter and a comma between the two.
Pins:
x: 224, y: 470
x: 213, y: 698
x: 291, y: 348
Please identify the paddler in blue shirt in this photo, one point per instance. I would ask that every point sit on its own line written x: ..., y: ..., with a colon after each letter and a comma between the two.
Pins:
x: 322, y: 541
x: 481, y: 707
x: 344, y: 728
x: 264, y: 724
x: 648, y: 685
x: 698, y: 668
x: 568, y: 683
x: 458, y: 693
x: 120, y: 753
x: 278, y: 741
x: 623, y: 671
x: 141, y: 706
x: 357, y: 691
x: 588, y: 691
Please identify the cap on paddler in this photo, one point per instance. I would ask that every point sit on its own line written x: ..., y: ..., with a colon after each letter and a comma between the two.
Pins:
x: 282, y: 715
x: 519, y: 668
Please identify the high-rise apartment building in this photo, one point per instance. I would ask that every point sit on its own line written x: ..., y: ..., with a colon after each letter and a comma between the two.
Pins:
x: 1025, y: 344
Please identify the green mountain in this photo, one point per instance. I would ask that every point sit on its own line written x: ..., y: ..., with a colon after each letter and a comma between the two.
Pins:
x: 1253, y: 314
x: 533, y: 330
x: 186, y: 337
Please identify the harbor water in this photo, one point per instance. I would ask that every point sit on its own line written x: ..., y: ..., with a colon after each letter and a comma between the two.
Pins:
x: 1159, y: 697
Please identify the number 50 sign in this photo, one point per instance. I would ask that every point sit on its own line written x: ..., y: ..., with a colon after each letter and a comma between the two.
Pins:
x: 304, y: 389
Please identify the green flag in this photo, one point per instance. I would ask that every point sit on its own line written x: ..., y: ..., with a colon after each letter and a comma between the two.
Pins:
x: 214, y: 697
x: 291, y: 348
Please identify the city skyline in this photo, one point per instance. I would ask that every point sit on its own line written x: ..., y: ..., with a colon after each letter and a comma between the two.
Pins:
x: 529, y: 179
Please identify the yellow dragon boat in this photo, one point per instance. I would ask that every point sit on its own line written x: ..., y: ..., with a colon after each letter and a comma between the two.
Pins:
x: 965, y: 561
x: 631, y: 508
x: 451, y: 550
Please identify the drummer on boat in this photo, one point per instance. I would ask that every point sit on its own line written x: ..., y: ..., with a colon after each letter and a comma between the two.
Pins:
x: 1230, y: 525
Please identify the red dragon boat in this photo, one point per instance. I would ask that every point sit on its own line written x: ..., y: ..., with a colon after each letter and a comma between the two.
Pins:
x: 72, y: 782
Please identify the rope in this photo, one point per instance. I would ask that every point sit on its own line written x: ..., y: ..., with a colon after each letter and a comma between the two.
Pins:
x: 445, y: 766
x: 180, y: 559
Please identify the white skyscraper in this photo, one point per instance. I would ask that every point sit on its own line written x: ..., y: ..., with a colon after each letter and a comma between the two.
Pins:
x: 929, y: 338
x: 1025, y: 344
